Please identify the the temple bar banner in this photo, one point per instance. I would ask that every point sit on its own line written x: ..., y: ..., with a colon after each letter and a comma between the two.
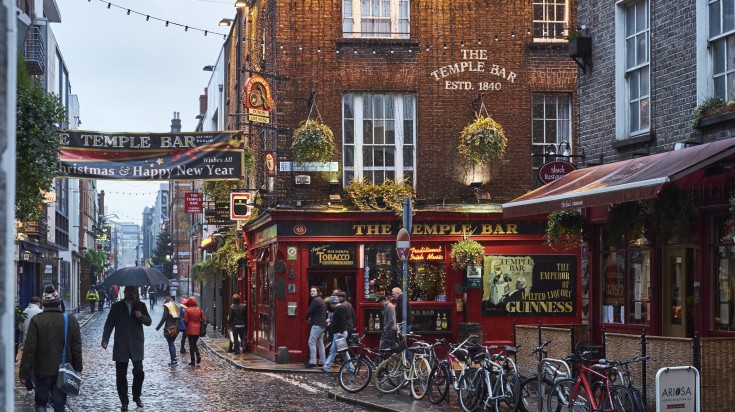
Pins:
x: 151, y: 156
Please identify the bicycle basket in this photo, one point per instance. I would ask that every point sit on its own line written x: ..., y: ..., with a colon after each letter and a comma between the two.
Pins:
x: 587, y: 346
x: 396, y: 346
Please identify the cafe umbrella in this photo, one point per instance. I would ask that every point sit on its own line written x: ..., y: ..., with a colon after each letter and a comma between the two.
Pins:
x: 136, y: 276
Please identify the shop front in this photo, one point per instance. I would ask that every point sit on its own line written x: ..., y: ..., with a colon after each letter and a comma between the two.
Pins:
x: 520, y: 280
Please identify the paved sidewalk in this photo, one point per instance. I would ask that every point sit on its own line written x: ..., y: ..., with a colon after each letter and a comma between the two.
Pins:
x: 368, y: 398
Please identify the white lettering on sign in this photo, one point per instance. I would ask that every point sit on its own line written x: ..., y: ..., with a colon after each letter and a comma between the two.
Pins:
x: 473, y: 60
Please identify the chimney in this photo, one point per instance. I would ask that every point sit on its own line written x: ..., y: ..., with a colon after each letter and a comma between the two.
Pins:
x: 176, y: 123
x: 203, y: 102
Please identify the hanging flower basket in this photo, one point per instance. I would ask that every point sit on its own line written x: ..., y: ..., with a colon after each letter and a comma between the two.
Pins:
x: 313, y: 141
x: 564, y: 228
x: 388, y: 195
x: 483, y: 140
x: 466, y: 253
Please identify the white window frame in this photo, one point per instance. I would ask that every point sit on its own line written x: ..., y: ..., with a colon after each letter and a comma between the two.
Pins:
x: 352, y: 20
x: 723, y: 35
x: 563, y: 129
x: 358, y: 169
x: 545, y: 37
x: 623, y: 74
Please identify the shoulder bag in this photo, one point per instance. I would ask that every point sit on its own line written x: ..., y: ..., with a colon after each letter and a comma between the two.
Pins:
x: 170, y: 332
x: 68, y: 380
x: 203, y: 327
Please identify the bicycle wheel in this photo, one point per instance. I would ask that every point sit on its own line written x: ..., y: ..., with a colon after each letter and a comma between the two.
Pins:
x: 360, y: 376
x: 529, y: 395
x: 420, y: 381
x: 560, y: 398
x: 390, y: 375
x: 638, y: 405
x: 511, y: 391
x: 439, y: 380
x: 471, y: 389
x: 622, y: 401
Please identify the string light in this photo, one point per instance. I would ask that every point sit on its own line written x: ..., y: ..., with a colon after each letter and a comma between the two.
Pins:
x: 109, y: 5
x: 496, y: 37
x: 128, y: 12
x: 166, y: 23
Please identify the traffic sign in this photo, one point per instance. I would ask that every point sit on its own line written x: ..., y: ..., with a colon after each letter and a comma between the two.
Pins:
x: 403, y: 243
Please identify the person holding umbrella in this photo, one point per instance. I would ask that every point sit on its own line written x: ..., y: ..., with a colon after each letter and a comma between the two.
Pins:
x: 127, y: 318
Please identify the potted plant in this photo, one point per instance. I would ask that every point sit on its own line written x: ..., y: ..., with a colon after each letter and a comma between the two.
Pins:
x: 623, y: 224
x: 466, y: 253
x: 564, y: 228
x: 483, y: 140
x: 313, y: 141
x: 672, y: 214
x: 580, y: 45
x: 714, y: 106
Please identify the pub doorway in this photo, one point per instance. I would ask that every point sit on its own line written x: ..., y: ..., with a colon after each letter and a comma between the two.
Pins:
x: 329, y: 280
x: 678, y: 292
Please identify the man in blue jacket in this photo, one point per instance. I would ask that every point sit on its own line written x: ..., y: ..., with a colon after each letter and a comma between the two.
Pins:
x: 127, y: 317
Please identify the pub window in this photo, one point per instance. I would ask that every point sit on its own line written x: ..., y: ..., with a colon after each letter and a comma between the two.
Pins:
x: 723, y: 254
x: 551, y: 129
x: 426, y: 272
x: 376, y: 19
x: 550, y: 20
x: 626, y: 284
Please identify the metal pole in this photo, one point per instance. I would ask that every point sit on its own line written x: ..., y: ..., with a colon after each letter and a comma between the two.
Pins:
x: 407, y: 212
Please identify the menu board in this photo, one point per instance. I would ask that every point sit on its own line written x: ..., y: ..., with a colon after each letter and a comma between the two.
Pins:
x: 423, y: 320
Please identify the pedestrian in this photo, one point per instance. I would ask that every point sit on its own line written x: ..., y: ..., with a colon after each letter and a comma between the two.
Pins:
x: 238, y: 323
x: 115, y: 293
x: 102, y: 298
x: 152, y: 297
x: 42, y: 351
x: 397, y: 295
x: 182, y: 324
x: 193, y: 317
x: 127, y: 317
x: 390, y: 330
x: 351, y: 315
x: 339, y: 331
x: 33, y: 309
x: 170, y: 318
x: 92, y: 298
x: 316, y: 316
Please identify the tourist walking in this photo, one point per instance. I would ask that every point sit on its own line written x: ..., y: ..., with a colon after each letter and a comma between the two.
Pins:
x: 33, y: 309
x: 339, y: 331
x: 92, y: 298
x: 43, y: 347
x: 193, y: 317
x: 238, y: 323
x: 170, y: 319
x: 127, y: 318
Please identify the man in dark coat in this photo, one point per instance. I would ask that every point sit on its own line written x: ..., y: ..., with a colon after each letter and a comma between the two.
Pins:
x: 42, y: 350
x: 397, y: 295
x: 339, y: 331
x: 127, y: 317
x: 316, y: 316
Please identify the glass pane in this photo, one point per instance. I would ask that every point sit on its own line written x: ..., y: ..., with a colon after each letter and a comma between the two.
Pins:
x: 630, y: 52
x: 409, y: 106
x: 378, y: 177
x: 385, y: 10
x: 720, y: 87
x: 728, y: 15
x: 390, y: 156
x: 389, y: 108
x: 538, y: 131
x: 379, y: 158
x: 730, y: 62
x: 403, y: 9
x: 367, y: 106
x: 645, y: 114
x: 538, y: 12
x: 634, y: 116
x: 642, y: 48
x: 365, y: 7
x: 730, y: 86
x: 407, y: 156
x: 367, y: 132
x: 638, y: 310
x: 347, y: 27
x: 376, y: 8
x: 630, y: 21
x: 390, y: 132
x: 714, y: 19
x: 389, y: 174
x: 349, y: 136
x: 633, y: 79
x: 347, y: 102
x: 641, y: 15
x: 718, y: 56
x: 408, y: 132
x: 347, y: 8
x: 550, y: 108
x: 613, y: 287
x: 550, y: 130
x: 349, y: 159
x: 349, y: 175
x: 644, y: 81
x: 379, y: 132
x: 367, y: 156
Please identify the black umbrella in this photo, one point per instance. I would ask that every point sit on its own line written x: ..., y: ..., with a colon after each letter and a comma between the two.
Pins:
x: 135, y: 276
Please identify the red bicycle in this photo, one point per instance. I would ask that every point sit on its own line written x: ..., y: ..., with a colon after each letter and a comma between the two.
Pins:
x: 591, y: 391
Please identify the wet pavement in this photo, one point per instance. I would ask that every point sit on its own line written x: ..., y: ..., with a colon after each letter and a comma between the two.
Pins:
x: 223, y: 382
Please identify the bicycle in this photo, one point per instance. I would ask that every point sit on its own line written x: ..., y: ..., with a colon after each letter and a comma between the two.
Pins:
x: 444, y: 374
x: 355, y: 374
x: 627, y: 381
x: 494, y: 383
x: 591, y: 391
x: 552, y: 371
x: 398, y: 370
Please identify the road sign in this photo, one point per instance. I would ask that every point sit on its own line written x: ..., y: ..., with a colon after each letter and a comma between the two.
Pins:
x: 403, y: 243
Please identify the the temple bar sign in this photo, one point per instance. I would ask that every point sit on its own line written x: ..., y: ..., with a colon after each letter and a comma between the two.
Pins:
x: 240, y: 206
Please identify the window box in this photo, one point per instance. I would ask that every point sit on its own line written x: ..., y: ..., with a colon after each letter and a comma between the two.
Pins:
x: 580, y: 47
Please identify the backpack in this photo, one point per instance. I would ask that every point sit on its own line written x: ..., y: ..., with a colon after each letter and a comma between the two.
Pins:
x: 182, y: 325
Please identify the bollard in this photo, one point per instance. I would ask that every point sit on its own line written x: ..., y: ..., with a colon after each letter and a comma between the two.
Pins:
x: 282, y: 355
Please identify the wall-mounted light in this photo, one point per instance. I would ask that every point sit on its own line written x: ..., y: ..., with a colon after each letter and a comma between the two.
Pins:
x: 240, y: 3
x: 225, y: 22
x: 199, y: 117
x: 334, y: 184
x: 208, y: 68
x: 475, y: 185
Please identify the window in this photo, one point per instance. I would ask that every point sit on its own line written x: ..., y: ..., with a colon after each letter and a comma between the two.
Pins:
x: 625, y: 283
x: 723, y: 278
x: 722, y: 41
x: 552, y: 124
x: 637, y: 67
x: 379, y: 136
x: 550, y: 19
x: 426, y: 272
x: 375, y: 19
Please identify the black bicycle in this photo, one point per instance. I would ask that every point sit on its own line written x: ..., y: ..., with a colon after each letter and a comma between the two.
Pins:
x: 356, y: 373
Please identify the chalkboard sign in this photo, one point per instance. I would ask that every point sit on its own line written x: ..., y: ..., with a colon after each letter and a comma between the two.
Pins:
x: 424, y: 320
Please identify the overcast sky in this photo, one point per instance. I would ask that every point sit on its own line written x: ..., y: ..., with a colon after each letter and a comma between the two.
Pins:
x: 131, y: 75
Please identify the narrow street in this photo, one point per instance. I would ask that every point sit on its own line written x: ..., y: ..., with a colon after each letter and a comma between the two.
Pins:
x: 213, y: 386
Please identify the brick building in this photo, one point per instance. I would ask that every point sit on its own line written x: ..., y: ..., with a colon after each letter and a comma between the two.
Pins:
x: 397, y: 81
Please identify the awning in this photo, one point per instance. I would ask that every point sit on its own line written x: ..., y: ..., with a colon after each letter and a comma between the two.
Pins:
x: 625, y: 181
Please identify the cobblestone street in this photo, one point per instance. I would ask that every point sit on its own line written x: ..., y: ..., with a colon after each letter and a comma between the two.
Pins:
x: 215, y: 385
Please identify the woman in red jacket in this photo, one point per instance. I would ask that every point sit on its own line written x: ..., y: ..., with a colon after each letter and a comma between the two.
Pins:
x: 193, y: 318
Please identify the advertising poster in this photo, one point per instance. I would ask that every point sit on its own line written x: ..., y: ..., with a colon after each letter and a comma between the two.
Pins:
x: 535, y: 285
